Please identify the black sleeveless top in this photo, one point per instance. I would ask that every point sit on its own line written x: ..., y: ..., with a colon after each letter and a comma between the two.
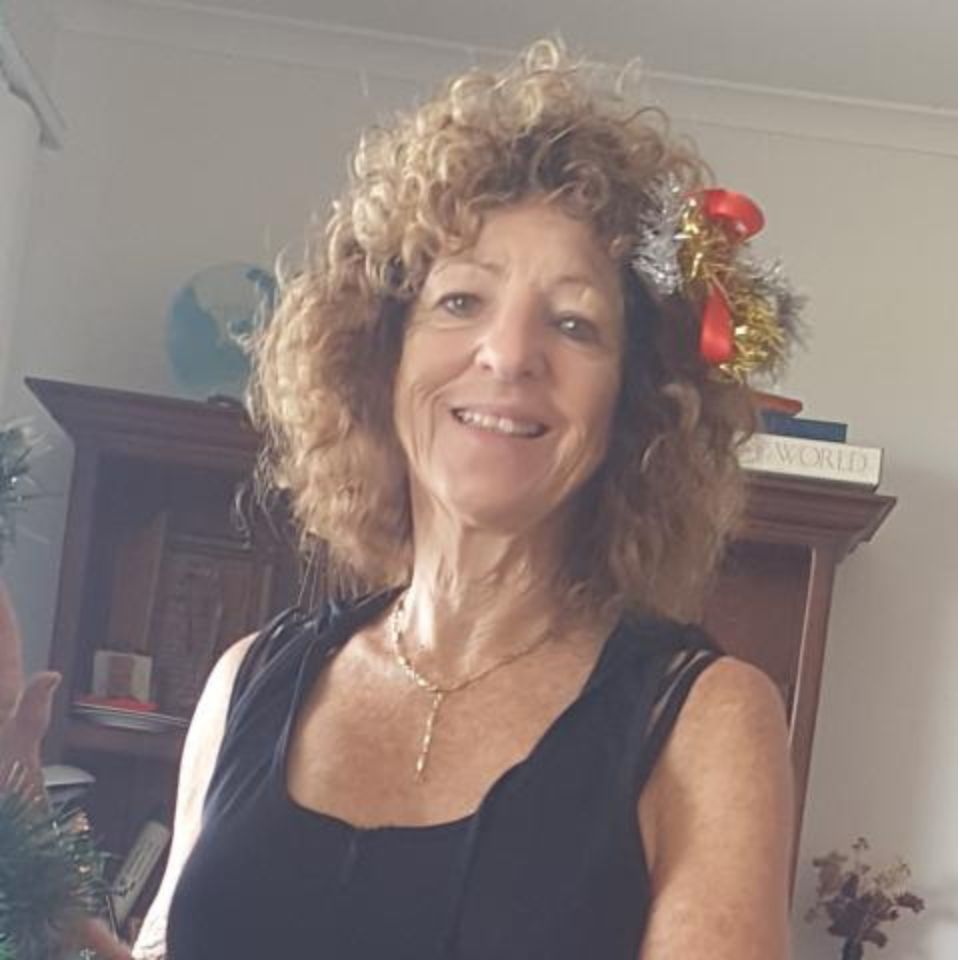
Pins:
x: 550, y: 866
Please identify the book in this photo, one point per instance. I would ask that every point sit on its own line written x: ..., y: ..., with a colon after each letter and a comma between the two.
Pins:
x: 785, y: 425
x: 774, y: 401
x: 66, y: 785
x: 817, y: 459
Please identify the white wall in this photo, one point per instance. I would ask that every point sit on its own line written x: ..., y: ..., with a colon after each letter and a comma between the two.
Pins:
x: 195, y: 140
x: 20, y: 135
x: 34, y: 24
x: 27, y: 119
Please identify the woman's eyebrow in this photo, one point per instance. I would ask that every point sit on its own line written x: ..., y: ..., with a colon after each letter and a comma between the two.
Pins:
x: 578, y: 280
x: 586, y: 283
x: 466, y: 261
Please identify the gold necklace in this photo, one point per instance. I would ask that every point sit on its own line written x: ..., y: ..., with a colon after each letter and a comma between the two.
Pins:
x: 438, y: 691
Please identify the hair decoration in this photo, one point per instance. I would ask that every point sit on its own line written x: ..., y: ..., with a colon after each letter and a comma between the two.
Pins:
x: 695, y: 246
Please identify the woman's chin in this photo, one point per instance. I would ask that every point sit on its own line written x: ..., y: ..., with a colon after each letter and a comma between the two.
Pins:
x: 506, y: 514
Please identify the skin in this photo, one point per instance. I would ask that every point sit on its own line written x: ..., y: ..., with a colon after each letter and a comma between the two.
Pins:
x: 504, y: 323
x: 532, y: 316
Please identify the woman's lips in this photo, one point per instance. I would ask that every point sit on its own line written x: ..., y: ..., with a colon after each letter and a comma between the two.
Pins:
x: 512, y: 427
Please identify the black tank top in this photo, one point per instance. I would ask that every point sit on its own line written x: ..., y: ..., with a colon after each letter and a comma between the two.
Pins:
x: 550, y: 866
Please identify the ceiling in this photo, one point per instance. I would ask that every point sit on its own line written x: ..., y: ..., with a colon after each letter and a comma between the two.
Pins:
x: 898, y: 51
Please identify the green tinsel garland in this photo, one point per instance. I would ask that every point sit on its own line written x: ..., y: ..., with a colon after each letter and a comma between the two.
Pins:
x: 50, y: 872
x: 17, y: 445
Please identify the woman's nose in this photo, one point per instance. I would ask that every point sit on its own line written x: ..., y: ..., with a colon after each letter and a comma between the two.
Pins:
x: 512, y: 345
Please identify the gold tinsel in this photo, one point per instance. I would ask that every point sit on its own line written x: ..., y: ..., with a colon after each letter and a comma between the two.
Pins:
x: 710, y: 256
x: 758, y: 339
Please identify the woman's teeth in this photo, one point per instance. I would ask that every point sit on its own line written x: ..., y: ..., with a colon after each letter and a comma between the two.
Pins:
x: 516, y: 428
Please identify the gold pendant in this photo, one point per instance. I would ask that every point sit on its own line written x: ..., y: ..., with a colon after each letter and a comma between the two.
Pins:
x: 428, y: 735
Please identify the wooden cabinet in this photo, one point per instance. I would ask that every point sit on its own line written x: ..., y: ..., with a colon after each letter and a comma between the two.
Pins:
x: 165, y: 555
x: 160, y: 557
x: 771, y: 602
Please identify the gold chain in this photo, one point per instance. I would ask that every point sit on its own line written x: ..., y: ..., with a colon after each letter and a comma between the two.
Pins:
x: 438, y: 691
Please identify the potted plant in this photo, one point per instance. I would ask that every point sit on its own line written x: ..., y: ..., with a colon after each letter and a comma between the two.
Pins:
x: 857, y: 900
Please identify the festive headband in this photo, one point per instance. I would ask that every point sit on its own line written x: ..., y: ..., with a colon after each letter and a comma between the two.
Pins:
x: 695, y: 246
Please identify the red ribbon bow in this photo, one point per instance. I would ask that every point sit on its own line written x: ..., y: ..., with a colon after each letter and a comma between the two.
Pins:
x: 740, y: 218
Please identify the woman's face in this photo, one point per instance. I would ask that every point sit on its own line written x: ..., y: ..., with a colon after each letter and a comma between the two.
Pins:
x: 510, y: 370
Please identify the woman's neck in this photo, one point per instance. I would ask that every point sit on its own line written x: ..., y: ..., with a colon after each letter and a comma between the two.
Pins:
x: 477, y: 596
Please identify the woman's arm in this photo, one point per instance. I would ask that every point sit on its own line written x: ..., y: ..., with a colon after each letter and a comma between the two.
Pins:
x: 200, y: 751
x: 723, y: 802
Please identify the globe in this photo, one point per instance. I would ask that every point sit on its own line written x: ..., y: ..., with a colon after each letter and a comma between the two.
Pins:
x: 208, y: 323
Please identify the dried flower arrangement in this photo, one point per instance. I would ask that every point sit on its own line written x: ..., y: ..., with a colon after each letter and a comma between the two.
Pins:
x: 857, y: 901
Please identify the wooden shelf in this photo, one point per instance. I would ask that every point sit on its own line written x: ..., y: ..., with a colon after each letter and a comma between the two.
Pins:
x: 83, y: 735
x: 823, y: 513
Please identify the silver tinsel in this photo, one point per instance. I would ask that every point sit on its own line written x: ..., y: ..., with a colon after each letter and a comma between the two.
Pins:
x: 655, y: 257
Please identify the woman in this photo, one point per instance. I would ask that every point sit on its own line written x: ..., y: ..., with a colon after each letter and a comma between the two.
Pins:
x: 479, y: 398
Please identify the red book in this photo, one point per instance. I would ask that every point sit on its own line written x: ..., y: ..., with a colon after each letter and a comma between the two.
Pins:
x: 118, y: 703
x: 772, y: 401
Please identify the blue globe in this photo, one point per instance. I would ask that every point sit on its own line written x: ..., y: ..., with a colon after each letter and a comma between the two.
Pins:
x: 208, y: 322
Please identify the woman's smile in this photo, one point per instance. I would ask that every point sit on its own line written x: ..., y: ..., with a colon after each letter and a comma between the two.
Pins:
x: 504, y: 424
x: 489, y: 444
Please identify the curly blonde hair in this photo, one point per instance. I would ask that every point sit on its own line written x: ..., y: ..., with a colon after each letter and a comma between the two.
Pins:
x: 656, y: 514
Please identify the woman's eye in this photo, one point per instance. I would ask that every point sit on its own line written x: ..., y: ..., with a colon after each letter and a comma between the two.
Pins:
x: 577, y: 328
x: 459, y: 304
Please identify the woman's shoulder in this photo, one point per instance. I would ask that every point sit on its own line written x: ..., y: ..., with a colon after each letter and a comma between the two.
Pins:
x: 696, y: 693
x: 732, y: 720
x: 276, y: 643
x: 717, y: 682
x: 667, y: 645
x: 735, y: 694
x: 278, y: 649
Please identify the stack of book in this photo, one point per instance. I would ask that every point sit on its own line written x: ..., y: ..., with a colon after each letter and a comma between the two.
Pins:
x: 65, y: 785
x: 794, y: 446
